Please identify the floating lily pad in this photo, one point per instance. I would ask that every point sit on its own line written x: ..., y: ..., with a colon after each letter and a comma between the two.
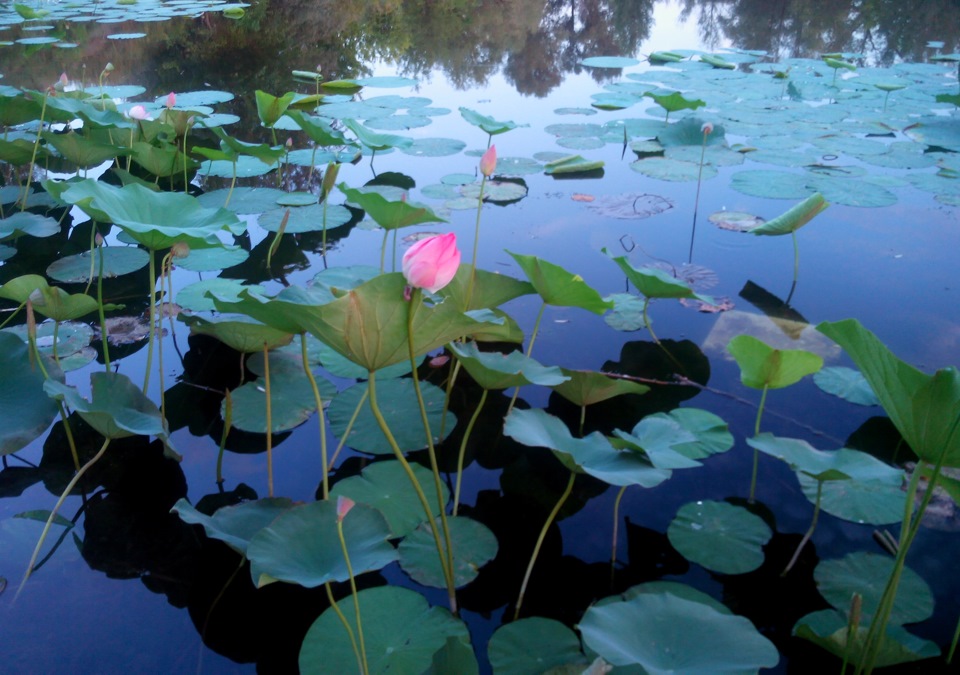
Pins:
x: 736, y: 221
x: 474, y: 545
x: 244, y: 167
x: 632, y: 205
x: 194, y: 297
x: 25, y: 409
x: 609, y: 62
x: 495, y: 191
x: 126, y: 36
x: 772, y: 184
x: 243, y: 199
x: 673, y: 170
x: 235, y: 525
x: 212, y: 259
x: 117, y: 261
x: 533, y: 646
x: 305, y: 218
x: 877, y: 501
x: 627, y: 313
x: 719, y: 536
x: 434, y: 147
x: 847, y: 383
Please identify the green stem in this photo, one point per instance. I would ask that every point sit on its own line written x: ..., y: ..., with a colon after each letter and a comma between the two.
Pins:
x: 227, y: 423
x: 323, y: 423
x: 415, y: 302
x: 353, y: 592
x: 33, y: 157
x: 463, y: 450
x: 346, y: 624
x: 153, y: 319
x: 476, y: 245
x: 796, y: 257
x: 536, y: 548
x: 533, y: 338
x: 46, y: 528
x: 583, y: 417
x: 756, y: 453
x: 346, y: 433
x: 103, y: 321
x: 446, y: 399
x: 431, y: 521
x: 266, y: 379
x: 953, y: 643
x: 808, y: 533
x: 383, y: 251
x: 616, y: 529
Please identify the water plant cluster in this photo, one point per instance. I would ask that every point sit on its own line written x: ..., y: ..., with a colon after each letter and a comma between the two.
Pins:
x: 402, y: 368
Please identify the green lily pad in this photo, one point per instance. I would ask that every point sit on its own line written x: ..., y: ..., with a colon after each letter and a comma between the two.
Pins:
x: 711, y: 434
x: 847, y: 383
x: 212, y: 259
x: 533, y: 646
x: 117, y: 261
x: 25, y: 409
x: 494, y: 370
x: 194, y: 297
x: 627, y: 313
x: 235, y: 525
x: 305, y: 218
x: 878, y: 501
x: 243, y: 167
x: 71, y: 337
x: 238, y: 332
x: 664, y: 633
x: 402, y: 633
x: 559, y: 287
x: 771, y: 184
x: 386, y: 487
x: 867, y: 574
x: 474, y: 545
x: 571, y: 164
x: 243, y: 199
x: 609, y: 62
x: 434, y: 147
x: 664, y: 168
x: 301, y: 546
x: 496, y: 191
x: 761, y: 366
x: 398, y: 403
x: 25, y: 223
x: 586, y: 387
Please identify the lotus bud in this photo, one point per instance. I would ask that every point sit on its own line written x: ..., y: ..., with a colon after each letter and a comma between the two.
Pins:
x: 181, y: 249
x: 432, y: 263
x: 138, y: 112
x: 108, y: 68
x: 344, y: 504
x: 707, y: 128
x: 289, y: 143
x: 488, y: 163
x: 171, y: 99
x: 98, y: 239
x: 856, y: 607
x: 329, y: 179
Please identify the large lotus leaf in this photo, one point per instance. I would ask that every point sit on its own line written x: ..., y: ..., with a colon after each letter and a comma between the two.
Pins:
x: 586, y: 387
x: 711, y: 433
x: 270, y: 108
x: 25, y: 409
x: 19, y: 288
x: 59, y: 305
x: 302, y: 546
x: 667, y: 168
x: 843, y: 464
x: 117, y: 409
x: 762, y: 366
x: 340, y: 366
x: 664, y: 634
x: 26, y: 223
x: 456, y: 656
x: 876, y: 502
x: 243, y: 199
x: 689, y: 131
x: 398, y: 404
x: 847, y: 383
x: 559, y: 287
x: 939, y: 132
x: 163, y: 160
x: 80, y: 150
x: 376, y: 141
x: 924, y: 408
x: 495, y: 370
x: 235, y: 525
x: 67, y: 338
x: 655, y: 436
x: 155, y: 219
x: 386, y: 487
x: 719, y: 536
x: 829, y: 629
x: 656, y: 283
x: 490, y: 290
x: 795, y: 218
x: 488, y: 124
x: 238, y: 331
x: 317, y: 128
x: 19, y: 152
x: 675, y: 101
x: 390, y: 215
x: 401, y: 631
x: 291, y: 397
x: 117, y: 261
x: 867, y: 574
x: 474, y: 545
x: 282, y: 312
x: 194, y: 297
x: 368, y: 325
x: 533, y: 646
x: 592, y: 454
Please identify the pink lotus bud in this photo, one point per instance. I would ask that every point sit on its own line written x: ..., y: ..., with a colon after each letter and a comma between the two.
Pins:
x: 171, y: 99
x: 98, y: 239
x: 64, y: 81
x: 289, y: 143
x: 344, y: 504
x: 431, y: 263
x: 707, y: 128
x: 138, y: 112
x: 180, y: 249
x: 488, y: 163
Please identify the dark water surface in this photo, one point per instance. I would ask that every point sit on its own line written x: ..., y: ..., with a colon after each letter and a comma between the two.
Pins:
x: 130, y: 588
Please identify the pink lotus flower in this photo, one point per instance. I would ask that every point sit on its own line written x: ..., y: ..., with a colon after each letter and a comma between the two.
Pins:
x: 344, y: 504
x: 171, y: 99
x: 488, y: 163
x: 431, y: 263
x: 707, y: 128
x: 138, y: 112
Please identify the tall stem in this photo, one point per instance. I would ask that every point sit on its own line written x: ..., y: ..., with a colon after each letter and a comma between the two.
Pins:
x: 323, y: 424
x: 616, y: 529
x: 756, y: 453
x: 476, y: 245
x: 33, y: 157
x: 536, y: 548
x: 103, y: 321
x: 227, y: 423
x: 533, y: 338
x: 353, y: 593
x: 361, y: 658
x: 808, y: 533
x: 153, y: 319
x: 463, y: 449
x: 796, y: 257
x: 431, y: 521
x: 266, y: 378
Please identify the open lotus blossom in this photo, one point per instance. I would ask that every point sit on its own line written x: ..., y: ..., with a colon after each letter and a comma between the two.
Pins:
x: 138, y: 112
x: 488, y: 163
x: 171, y: 99
x: 431, y: 263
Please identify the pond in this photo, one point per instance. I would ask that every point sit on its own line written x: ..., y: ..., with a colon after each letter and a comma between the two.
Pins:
x: 671, y: 470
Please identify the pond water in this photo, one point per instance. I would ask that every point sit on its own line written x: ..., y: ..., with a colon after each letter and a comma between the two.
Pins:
x: 130, y: 586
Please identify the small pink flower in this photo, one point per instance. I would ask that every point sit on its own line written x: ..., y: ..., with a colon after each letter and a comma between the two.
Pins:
x: 171, y: 99
x: 432, y: 263
x: 138, y: 112
x: 707, y: 128
x: 488, y: 163
x: 64, y: 81
x: 344, y: 504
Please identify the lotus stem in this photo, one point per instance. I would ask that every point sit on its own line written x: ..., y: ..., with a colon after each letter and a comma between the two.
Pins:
x: 953, y: 643
x: 808, y: 533
x: 233, y: 182
x: 451, y: 381
x: 756, y: 453
x: 153, y: 319
x: 539, y: 544
x: 186, y: 183
x: 346, y: 433
x: 431, y: 521
x: 353, y: 592
x: 463, y: 449
x: 46, y: 528
x: 476, y: 242
x: 33, y: 157
x: 533, y: 338
x: 415, y: 303
x: 583, y: 418
x: 227, y: 424
x: 103, y: 320
x: 796, y: 257
x: 323, y: 423
x: 853, y: 629
x: 361, y: 658
x: 266, y: 379
x: 56, y: 338
x: 275, y: 244
x: 383, y: 251
x: 616, y: 529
